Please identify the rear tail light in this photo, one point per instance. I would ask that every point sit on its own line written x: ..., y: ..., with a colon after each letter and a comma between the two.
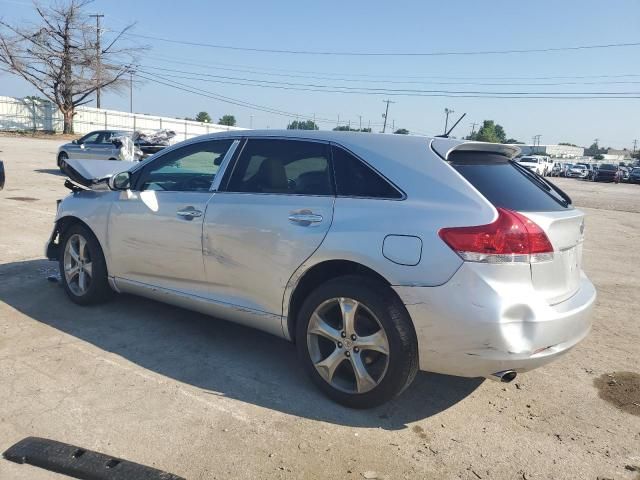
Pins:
x: 512, y: 238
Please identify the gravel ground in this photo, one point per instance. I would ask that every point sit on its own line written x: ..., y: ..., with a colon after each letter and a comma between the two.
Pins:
x: 206, y: 399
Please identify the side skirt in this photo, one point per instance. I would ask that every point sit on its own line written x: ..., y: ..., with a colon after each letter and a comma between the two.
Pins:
x: 264, y: 321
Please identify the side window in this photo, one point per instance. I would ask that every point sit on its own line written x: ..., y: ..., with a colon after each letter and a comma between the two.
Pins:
x: 90, y: 138
x: 103, y: 138
x: 356, y: 179
x: 282, y: 166
x: 191, y: 168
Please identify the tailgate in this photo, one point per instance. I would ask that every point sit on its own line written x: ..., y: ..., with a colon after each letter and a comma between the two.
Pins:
x: 559, y: 279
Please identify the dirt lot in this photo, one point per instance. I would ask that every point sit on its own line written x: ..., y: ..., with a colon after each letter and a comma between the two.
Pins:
x: 206, y: 399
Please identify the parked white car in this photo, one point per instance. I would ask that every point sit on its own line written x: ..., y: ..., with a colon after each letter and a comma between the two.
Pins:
x: 378, y: 255
x: 535, y: 164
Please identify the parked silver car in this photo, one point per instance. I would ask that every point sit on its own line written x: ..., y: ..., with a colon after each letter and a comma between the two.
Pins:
x: 93, y: 146
x: 377, y: 254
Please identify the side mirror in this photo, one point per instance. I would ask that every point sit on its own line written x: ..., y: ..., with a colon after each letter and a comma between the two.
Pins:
x: 120, y: 181
x: 75, y: 142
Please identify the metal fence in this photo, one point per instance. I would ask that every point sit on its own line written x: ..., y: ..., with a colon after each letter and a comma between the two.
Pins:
x: 35, y: 115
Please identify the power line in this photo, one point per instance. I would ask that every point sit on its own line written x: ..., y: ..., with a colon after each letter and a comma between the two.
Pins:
x: 396, y: 92
x: 390, y: 81
x: 385, y: 54
x: 221, y: 98
x: 268, y: 70
x: 288, y: 71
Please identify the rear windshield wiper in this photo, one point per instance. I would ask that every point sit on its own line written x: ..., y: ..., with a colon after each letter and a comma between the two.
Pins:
x: 543, y: 183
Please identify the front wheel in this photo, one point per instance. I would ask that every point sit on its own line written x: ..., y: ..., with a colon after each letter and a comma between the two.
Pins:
x: 357, y: 342
x: 61, y: 159
x: 82, y: 267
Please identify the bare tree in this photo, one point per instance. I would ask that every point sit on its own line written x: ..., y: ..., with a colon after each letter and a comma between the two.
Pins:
x: 58, y: 56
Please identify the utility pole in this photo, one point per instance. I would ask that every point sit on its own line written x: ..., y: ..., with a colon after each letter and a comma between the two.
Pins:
x: 98, y: 59
x: 447, y: 111
x: 393, y: 125
x: 360, y: 117
x: 338, y: 124
x: 386, y: 113
x: 473, y: 128
x: 536, y: 143
x: 635, y: 145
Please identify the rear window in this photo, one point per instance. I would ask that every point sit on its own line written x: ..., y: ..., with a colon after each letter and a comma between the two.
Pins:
x: 506, y: 184
x: 606, y: 166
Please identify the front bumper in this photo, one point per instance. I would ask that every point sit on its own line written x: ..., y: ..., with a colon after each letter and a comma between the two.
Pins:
x: 484, y: 321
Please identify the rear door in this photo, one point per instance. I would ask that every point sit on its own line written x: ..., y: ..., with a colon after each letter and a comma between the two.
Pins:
x: 509, y: 185
x: 267, y: 218
x: 102, y: 148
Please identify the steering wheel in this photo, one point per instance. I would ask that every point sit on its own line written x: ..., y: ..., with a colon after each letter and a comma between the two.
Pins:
x: 196, y: 183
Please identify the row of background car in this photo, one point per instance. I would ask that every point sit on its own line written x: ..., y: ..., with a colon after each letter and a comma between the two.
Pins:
x: 546, y: 166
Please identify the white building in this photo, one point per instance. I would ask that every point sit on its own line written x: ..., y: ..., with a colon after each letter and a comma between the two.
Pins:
x: 556, y: 151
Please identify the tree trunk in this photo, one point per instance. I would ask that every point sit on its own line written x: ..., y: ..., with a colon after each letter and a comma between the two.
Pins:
x: 67, y: 115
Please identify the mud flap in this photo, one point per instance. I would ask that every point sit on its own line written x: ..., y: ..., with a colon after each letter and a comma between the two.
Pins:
x: 80, y: 463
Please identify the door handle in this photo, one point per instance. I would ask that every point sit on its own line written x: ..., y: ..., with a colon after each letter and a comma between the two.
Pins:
x: 189, y: 213
x: 305, y: 218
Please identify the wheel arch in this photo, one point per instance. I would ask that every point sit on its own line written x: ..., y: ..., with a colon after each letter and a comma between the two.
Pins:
x: 313, y: 277
x: 61, y: 226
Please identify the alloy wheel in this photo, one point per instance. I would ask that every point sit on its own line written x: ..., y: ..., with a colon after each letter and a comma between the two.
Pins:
x: 78, y: 268
x: 348, y: 345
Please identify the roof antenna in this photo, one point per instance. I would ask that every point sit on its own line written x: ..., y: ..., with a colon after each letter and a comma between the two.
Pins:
x: 446, y: 135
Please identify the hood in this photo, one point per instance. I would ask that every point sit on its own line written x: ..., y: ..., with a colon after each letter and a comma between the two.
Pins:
x: 95, y: 173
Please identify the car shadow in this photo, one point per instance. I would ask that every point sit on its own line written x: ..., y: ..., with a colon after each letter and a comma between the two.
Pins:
x: 219, y: 357
x: 50, y: 171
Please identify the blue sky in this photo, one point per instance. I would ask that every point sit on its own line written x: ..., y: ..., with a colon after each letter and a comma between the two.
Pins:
x: 418, y: 26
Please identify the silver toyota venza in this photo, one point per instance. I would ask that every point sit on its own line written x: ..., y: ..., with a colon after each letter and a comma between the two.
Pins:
x: 378, y: 255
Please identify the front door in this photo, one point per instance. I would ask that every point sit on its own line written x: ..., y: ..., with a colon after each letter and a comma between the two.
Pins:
x: 155, y: 229
x: 82, y: 148
x: 271, y: 215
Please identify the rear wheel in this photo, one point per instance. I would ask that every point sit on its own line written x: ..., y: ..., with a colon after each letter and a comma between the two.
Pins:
x: 357, y: 342
x: 82, y: 267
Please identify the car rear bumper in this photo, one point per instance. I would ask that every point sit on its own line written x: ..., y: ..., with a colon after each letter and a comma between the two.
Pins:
x: 476, y: 325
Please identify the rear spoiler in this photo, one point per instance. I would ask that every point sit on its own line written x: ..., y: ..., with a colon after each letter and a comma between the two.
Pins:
x: 445, y: 146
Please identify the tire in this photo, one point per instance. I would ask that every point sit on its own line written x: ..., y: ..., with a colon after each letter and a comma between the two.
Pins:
x: 379, y: 315
x: 61, y: 157
x: 95, y: 288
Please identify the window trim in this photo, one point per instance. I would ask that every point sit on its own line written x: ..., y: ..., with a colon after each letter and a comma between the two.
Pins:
x: 403, y: 195
x: 224, y: 186
x: 139, y: 172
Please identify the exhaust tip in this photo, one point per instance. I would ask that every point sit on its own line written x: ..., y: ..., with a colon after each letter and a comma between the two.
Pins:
x: 506, y: 376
